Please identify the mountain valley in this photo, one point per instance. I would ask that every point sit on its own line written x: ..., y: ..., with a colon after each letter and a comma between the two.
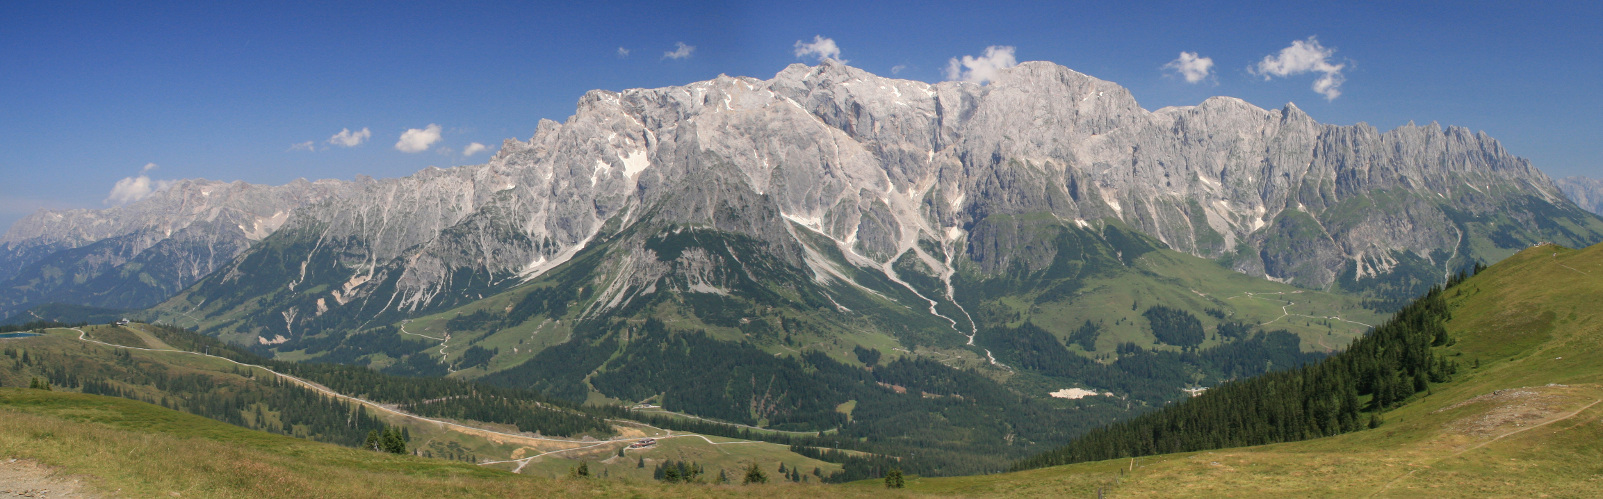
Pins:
x: 831, y: 269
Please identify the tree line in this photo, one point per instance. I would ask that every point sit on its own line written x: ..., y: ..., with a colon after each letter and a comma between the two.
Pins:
x: 425, y: 396
x: 1379, y: 370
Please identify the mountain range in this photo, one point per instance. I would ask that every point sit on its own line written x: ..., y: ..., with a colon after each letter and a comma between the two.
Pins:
x: 683, y: 244
x: 133, y: 256
x: 884, y: 168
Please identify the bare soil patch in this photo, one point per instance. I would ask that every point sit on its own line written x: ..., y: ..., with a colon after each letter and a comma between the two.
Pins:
x: 24, y: 478
x: 1510, y: 409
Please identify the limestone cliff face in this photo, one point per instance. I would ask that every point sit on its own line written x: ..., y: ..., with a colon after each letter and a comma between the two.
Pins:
x: 885, y: 169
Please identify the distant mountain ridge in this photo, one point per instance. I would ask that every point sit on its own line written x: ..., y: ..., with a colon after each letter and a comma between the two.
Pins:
x: 135, y: 255
x: 1584, y: 191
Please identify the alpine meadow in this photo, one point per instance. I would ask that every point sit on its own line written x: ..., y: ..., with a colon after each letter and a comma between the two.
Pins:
x: 880, y: 272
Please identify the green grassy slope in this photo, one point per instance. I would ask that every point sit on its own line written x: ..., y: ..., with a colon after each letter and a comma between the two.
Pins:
x: 1110, y: 280
x: 1523, y: 420
x: 164, y: 375
x: 129, y: 448
x: 582, y: 334
x: 1324, y: 321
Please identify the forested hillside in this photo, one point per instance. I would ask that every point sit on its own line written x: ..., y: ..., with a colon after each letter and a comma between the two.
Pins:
x: 255, y: 399
x: 1337, y: 395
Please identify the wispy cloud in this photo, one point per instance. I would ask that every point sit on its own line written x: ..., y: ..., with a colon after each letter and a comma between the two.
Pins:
x: 303, y: 146
x: 681, y: 51
x: 148, y: 167
x: 897, y: 69
x: 1305, y: 56
x: 347, y: 138
x: 820, y: 47
x: 984, y: 68
x: 623, y: 52
x: 131, y: 189
x: 418, y: 140
x: 1191, y: 67
x: 474, y: 148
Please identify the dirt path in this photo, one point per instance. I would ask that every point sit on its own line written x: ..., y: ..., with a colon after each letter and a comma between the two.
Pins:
x: 1284, y: 313
x: 1561, y: 417
x: 738, y: 425
x: 511, y: 437
x: 25, y: 478
x: 524, y: 461
x: 1555, y: 260
x: 443, y: 342
x: 497, y: 436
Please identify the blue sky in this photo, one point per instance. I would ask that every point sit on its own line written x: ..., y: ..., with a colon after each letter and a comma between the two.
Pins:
x: 92, y: 93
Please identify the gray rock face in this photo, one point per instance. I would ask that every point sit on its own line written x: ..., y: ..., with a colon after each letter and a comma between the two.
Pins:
x: 877, y: 165
x: 1585, y: 192
x: 137, y: 254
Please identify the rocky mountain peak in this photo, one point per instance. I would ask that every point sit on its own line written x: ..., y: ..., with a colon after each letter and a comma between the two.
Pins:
x: 944, y: 174
x: 835, y: 148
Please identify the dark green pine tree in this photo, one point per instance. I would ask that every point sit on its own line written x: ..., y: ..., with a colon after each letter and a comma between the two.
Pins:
x: 754, y: 474
x: 392, y: 441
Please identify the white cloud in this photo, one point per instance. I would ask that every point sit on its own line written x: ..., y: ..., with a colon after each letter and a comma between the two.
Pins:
x: 303, y: 146
x: 474, y: 148
x: 821, y: 47
x: 416, y: 140
x: 1305, y: 56
x: 680, y: 52
x: 148, y: 167
x: 897, y: 69
x: 1191, y: 67
x: 623, y: 52
x: 347, y: 138
x: 132, y: 189
x: 984, y: 68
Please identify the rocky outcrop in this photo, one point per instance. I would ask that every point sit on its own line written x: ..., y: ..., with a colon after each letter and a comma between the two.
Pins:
x: 876, y: 165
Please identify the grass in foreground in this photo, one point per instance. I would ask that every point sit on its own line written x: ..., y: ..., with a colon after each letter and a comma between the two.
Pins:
x: 92, y: 361
x: 142, y: 450
x: 1525, y: 419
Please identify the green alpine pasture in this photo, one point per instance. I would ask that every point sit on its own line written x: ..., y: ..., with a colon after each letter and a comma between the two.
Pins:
x: 1524, y: 419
